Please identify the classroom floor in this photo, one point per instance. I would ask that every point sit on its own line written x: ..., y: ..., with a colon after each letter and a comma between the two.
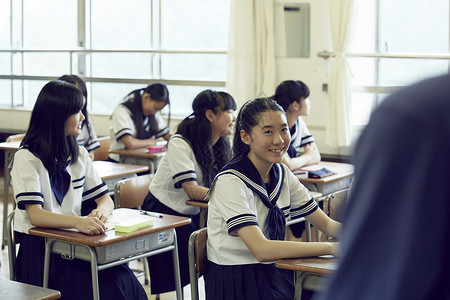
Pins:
x: 4, y: 269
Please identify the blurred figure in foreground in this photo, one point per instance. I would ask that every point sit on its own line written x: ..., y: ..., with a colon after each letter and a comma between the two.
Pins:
x: 394, y: 242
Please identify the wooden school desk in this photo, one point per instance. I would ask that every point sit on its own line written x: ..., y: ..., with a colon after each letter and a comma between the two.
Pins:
x: 139, y: 155
x: 329, y: 184
x: 111, y: 172
x: 106, y: 250
x: 108, y: 172
x: 310, y: 272
x: 14, y: 290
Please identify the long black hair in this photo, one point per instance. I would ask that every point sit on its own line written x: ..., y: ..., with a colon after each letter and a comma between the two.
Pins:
x: 46, y: 135
x: 197, y: 130
x: 133, y: 101
x: 79, y: 83
x: 248, y: 117
x: 289, y: 91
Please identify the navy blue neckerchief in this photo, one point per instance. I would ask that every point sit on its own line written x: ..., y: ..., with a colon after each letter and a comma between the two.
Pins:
x: 243, y: 168
x: 60, y: 182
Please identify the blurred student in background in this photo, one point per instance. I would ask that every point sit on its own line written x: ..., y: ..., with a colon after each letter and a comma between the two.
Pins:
x: 88, y: 137
x: 293, y: 95
x: 137, y: 122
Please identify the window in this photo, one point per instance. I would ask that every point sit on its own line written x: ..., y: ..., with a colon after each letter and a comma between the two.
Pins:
x: 116, y: 46
x: 396, y: 43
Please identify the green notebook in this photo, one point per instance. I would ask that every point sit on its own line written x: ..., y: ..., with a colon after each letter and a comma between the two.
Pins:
x: 133, y: 225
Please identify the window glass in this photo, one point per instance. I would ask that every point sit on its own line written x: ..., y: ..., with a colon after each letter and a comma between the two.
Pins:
x: 5, y: 92
x: 5, y: 29
x: 208, y: 67
x: 120, y: 24
x: 181, y: 98
x: 49, y: 23
x: 196, y: 24
x: 122, y: 65
x: 401, y: 72
x: 414, y: 26
x: 31, y: 92
x: 106, y: 96
x: 50, y: 64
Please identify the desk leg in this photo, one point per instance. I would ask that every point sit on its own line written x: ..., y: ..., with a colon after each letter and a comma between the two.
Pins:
x: 8, y: 156
x: 94, y: 273
x: 176, y: 267
x: 308, y: 231
x: 48, y: 247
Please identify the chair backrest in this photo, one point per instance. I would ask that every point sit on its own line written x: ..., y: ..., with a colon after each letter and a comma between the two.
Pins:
x: 131, y: 192
x: 102, y: 153
x: 335, y: 204
x: 197, y: 258
x: 11, y: 242
x: 15, y: 138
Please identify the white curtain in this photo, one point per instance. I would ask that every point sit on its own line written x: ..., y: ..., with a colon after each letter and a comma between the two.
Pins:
x: 339, y: 87
x: 251, y: 54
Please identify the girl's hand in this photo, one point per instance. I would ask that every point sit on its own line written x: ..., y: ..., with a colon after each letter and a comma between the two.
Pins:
x: 334, y: 248
x: 99, y: 214
x: 90, y: 225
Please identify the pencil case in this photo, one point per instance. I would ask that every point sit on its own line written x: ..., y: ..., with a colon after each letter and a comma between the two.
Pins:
x: 156, y: 148
x: 324, y: 172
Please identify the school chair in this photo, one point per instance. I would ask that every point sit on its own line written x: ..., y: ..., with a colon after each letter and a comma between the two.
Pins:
x: 102, y: 153
x: 11, y: 242
x: 130, y: 193
x: 197, y: 259
x: 335, y: 205
x: 15, y: 138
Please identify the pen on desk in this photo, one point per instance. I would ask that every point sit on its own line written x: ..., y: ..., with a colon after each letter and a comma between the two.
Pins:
x: 152, y: 214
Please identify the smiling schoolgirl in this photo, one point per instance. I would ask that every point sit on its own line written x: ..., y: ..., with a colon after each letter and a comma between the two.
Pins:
x: 250, y: 201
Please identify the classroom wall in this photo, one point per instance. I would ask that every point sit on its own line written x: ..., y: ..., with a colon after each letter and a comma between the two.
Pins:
x: 313, y: 71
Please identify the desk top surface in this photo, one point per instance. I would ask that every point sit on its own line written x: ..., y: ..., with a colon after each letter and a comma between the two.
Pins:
x: 10, y: 145
x: 13, y: 290
x: 107, y: 169
x: 110, y: 237
x: 140, y: 152
x: 342, y: 170
x: 318, y: 265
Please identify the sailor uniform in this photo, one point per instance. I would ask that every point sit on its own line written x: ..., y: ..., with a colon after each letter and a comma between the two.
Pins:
x: 32, y: 184
x: 300, y: 137
x: 166, y: 195
x: 122, y: 124
x: 238, y: 198
x: 88, y: 139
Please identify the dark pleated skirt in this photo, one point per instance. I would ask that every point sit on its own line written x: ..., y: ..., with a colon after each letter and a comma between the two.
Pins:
x: 248, y: 282
x: 161, y: 265
x: 73, y: 277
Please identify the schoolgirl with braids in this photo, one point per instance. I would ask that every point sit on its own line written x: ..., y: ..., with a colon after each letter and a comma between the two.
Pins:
x: 198, y: 150
x: 88, y: 137
x: 250, y: 201
x: 136, y: 122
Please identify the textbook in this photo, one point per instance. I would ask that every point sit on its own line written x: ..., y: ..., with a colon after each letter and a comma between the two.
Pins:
x: 133, y: 225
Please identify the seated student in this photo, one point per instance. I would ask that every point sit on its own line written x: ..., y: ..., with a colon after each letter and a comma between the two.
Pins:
x: 250, y: 200
x: 88, y: 137
x: 397, y: 224
x: 54, y: 184
x: 195, y: 154
x: 293, y: 95
x: 137, y: 122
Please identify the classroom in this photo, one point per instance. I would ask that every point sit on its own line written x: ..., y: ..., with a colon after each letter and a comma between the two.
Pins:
x: 351, y: 55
